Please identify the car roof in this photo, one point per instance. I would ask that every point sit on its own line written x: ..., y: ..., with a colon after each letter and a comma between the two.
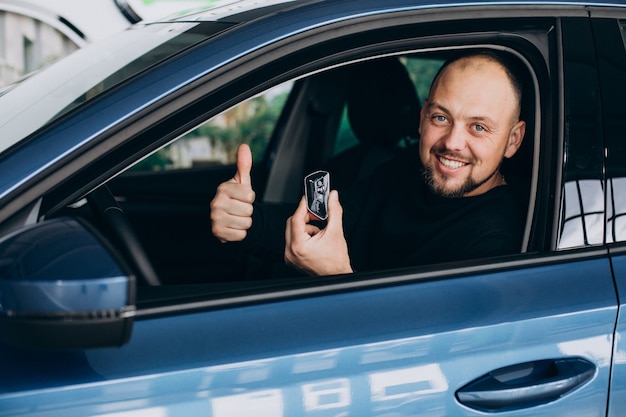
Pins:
x: 241, y: 11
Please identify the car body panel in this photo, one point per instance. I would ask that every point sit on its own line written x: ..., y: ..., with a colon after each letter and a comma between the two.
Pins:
x: 372, y: 356
x: 384, y: 343
x: 618, y: 381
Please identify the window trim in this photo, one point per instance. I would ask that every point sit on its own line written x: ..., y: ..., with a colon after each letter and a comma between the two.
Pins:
x: 206, y: 91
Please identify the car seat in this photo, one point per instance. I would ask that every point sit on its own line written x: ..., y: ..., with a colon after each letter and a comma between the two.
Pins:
x: 383, y: 109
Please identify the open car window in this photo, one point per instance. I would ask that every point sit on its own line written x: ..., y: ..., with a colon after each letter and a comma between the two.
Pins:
x: 297, y: 121
x: 275, y: 122
x: 215, y: 142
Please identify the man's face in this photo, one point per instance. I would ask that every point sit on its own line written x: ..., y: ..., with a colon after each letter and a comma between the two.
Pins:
x: 468, y: 124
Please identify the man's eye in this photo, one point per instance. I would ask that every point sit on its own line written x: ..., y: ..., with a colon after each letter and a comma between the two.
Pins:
x: 479, y: 128
x: 441, y: 119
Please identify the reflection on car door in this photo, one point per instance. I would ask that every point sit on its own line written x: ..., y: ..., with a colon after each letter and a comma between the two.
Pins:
x: 401, y: 349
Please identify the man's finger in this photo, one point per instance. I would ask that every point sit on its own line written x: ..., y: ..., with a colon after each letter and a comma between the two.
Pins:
x: 335, y: 212
x: 299, y: 219
x: 296, y: 227
x: 244, y: 165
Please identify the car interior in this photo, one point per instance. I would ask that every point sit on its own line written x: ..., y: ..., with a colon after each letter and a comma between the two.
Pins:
x: 390, y: 97
x: 347, y: 120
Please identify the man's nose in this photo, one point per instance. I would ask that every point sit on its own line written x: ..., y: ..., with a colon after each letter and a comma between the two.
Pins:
x: 455, y: 140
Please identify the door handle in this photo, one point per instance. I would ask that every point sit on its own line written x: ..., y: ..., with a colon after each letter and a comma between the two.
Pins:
x: 526, y: 385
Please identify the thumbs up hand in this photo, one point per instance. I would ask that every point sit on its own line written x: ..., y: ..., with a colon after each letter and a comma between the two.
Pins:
x: 231, y: 208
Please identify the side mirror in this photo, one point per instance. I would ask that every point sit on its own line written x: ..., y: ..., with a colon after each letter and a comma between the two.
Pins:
x: 62, y: 287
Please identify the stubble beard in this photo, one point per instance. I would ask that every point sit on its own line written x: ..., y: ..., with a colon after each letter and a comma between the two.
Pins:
x: 438, y: 186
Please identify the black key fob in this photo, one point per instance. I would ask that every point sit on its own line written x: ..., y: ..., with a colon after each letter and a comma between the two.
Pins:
x: 316, y: 190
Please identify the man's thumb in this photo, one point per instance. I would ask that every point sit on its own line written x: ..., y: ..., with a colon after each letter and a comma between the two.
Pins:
x: 335, y: 211
x: 244, y: 165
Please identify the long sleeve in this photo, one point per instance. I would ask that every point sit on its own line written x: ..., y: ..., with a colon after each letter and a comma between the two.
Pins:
x: 266, y: 237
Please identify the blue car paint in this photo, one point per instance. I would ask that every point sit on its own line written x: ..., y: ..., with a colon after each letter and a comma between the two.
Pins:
x: 617, y: 406
x: 402, y: 349
x: 44, y: 271
x: 395, y: 350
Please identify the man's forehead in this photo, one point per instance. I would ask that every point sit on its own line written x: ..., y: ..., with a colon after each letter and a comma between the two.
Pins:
x: 474, y: 67
x: 475, y: 76
x: 477, y: 62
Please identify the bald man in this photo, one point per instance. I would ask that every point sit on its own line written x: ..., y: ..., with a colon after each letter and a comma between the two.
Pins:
x: 446, y: 202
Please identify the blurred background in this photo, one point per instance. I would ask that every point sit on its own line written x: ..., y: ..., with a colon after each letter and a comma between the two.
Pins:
x: 35, y: 33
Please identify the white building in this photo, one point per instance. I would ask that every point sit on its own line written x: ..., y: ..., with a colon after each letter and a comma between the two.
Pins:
x: 34, y: 33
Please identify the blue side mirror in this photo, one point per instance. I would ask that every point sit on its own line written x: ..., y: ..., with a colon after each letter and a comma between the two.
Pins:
x: 62, y: 287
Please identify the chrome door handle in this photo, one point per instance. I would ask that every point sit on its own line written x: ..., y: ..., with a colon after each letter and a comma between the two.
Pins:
x: 526, y: 385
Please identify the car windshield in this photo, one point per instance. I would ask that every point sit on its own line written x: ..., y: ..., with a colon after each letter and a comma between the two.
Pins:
x: 43, y: 97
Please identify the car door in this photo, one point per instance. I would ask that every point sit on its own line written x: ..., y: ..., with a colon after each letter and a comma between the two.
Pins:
x: 507, y: 338
x: 608, y: 31
x: 525, y: 335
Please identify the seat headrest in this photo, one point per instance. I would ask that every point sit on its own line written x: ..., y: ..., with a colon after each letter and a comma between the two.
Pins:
x: 383, y: 106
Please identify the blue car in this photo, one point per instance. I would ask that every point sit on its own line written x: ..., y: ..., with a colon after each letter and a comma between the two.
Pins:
x: 116, y: 300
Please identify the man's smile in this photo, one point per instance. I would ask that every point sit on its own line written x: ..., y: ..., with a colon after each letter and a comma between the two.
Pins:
x: 451, y: 163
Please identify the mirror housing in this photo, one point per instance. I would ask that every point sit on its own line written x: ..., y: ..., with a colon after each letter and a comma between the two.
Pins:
x: 61, y: 286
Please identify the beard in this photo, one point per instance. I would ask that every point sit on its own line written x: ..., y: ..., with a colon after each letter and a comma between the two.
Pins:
x: 438, y: 185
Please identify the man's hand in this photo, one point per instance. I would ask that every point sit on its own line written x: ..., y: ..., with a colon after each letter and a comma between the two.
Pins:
x: 315, y: 251
x: 231, y: 208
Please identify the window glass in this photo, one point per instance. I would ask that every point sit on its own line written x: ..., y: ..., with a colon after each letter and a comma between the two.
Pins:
x: 616, y: 210
x: 583, y: 222
x: 215, y: 142
x: 583, y: 193
x: 612, y: 66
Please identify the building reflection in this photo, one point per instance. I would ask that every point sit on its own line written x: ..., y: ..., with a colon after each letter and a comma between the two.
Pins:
x: 584, y: 221
x: 302, y: 387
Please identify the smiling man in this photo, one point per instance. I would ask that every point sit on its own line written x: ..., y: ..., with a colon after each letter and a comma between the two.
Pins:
x: 451, y: 203
x: 469, y: 123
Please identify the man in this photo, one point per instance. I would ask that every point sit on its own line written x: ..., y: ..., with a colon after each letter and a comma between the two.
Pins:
x: 451, y: 204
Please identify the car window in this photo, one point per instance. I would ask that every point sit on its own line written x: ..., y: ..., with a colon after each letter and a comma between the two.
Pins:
x: 586, y: 194
x: 167, y: 211
x: 611, y: 64
x: 583, y: 192
x: 215, y: 142
x: 583, y: 209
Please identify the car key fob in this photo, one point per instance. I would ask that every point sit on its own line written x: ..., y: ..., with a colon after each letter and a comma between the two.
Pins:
x: 316, y: 190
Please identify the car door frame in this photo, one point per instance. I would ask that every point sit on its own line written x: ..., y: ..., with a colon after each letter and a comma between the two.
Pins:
x: 609, y: 43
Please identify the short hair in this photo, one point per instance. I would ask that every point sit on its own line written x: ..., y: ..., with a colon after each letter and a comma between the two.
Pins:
x: 510, y: 65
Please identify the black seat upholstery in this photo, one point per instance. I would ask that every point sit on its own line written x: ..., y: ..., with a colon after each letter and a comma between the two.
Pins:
x: 383, y: 109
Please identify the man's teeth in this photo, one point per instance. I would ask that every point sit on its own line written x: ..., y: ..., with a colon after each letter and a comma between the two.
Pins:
x: 450, y: 164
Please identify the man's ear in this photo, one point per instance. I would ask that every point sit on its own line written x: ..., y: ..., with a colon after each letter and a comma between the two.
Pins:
x: 515, y: 139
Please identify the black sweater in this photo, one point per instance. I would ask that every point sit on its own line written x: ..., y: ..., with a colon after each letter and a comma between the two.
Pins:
x: 394, y: 220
